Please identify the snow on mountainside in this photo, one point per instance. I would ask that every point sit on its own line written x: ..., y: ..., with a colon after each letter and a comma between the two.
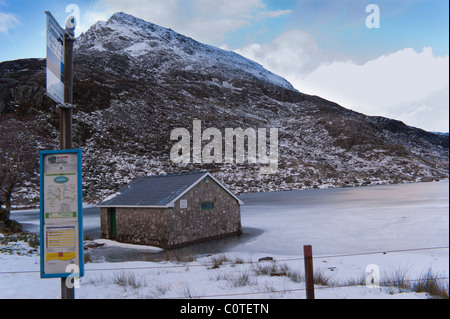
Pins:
x: 138, y: 38
x: 135, y: 82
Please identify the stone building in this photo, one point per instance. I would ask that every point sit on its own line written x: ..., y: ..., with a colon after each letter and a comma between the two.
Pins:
x: 170, y: 211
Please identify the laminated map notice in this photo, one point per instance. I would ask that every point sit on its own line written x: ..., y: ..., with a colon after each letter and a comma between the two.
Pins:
x: 60, y: 247
x: 60, y: 187
x: 61, y: 213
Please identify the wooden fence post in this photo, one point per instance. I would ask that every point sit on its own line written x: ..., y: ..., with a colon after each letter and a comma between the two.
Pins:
x: 309, y: 271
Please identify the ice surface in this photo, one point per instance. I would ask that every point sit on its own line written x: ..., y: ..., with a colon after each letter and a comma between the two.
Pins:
x: 352, y: 221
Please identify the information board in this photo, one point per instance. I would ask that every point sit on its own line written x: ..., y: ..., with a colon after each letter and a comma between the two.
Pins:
x: 55, y: 59
x: 61, y: 214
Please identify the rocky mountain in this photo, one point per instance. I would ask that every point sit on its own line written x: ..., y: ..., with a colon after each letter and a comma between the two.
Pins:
x: 135, y: 82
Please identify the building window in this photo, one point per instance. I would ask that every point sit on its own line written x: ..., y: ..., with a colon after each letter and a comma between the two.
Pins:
x: 207, y: 206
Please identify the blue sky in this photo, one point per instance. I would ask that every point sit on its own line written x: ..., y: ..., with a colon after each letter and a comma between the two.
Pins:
x: 322, y: 47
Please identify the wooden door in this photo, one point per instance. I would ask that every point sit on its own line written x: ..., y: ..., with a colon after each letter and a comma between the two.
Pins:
x: 113, y: 223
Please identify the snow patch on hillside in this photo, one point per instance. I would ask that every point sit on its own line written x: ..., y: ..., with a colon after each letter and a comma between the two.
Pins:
x: 137, y: 37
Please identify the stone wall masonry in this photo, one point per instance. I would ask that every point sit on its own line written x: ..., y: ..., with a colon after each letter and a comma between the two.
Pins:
x: 105, y: 223
x: 174, y: 227
x: 142, y: 226
x: 192, y: 224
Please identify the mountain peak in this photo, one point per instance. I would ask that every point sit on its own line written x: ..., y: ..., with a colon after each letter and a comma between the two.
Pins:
x: 125, y: 34
x: 122, y: 16
x: 130, y: 20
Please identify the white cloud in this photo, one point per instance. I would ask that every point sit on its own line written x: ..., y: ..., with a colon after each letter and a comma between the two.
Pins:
x: 274, y: 14
x: 90, y: 17
x: 406, y: 85
x: 204, y: 20
x: 393, y: 85
x: 161, y: 12
x: 229, y: 8
x: 294, y: 51
x: 8, y: 21
x: 430, y: 113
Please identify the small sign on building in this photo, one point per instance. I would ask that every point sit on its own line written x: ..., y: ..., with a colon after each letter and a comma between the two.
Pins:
x: 61, y: 214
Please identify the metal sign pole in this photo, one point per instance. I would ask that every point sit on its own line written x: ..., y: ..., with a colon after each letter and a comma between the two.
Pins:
x: 67, y: 293
x: 65, y: 115
x: 61, y: 186
x: 65, y: 130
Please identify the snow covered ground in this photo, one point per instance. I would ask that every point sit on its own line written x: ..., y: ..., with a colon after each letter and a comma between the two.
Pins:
x: 349, y: 230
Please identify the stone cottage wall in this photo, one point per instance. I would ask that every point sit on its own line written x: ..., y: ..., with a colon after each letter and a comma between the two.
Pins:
x: 192, y: 224
x: 142, y: 226
x: 172, y: 227
x: 105, y: 223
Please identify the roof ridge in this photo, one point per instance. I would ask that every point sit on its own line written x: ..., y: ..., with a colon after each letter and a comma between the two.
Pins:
x: 159, y: 190
x: 176, y: 174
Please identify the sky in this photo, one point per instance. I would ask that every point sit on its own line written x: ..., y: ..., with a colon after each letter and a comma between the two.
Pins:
x: 390, y: 61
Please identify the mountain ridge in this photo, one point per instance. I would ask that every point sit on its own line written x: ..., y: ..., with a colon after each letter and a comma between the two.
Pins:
x: 148, y: 37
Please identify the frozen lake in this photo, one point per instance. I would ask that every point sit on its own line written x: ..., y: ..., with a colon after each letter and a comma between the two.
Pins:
x: 334, y: 221
x: 347, y: 220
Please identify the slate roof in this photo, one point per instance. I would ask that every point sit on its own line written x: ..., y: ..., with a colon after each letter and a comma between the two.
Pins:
x: 156, y: 191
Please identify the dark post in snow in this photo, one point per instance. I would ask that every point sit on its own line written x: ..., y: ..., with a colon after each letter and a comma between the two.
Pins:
x: 309, y: 271
x: 65, y: 115
x: 65, y: 127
